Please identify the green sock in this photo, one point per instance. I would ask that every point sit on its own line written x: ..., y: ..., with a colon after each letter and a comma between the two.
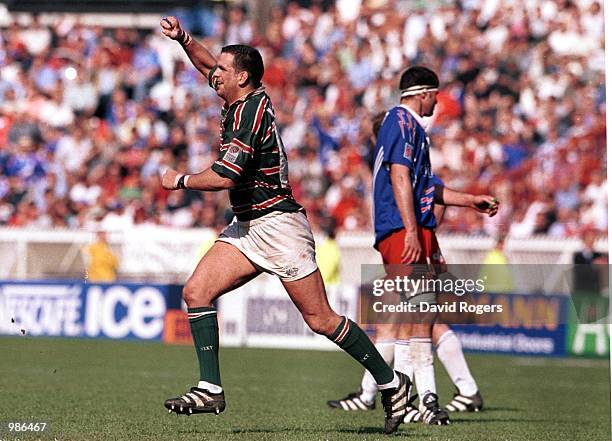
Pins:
x: 350, y: 337
x: 205, y: 332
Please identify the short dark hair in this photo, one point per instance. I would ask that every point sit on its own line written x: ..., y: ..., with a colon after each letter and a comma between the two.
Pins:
x: 418, y: 76
x: 248, y: 59
x: 377, y: 121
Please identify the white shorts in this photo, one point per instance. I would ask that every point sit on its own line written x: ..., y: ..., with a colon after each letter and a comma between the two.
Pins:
x: 278, y: 243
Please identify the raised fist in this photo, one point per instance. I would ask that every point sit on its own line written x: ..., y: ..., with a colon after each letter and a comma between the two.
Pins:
x: 171, y: 28
x: 169, y: 179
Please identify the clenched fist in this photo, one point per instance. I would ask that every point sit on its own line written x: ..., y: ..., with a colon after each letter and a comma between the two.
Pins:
x: 169, y: 179
x: 171, y: 28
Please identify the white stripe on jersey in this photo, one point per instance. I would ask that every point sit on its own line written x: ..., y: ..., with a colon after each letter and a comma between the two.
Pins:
x: 377, y: 165
x: 282, y: 160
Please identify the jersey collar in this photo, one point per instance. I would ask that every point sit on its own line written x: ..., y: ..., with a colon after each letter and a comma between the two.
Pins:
x: 416, y: 116
x: 253, y: 92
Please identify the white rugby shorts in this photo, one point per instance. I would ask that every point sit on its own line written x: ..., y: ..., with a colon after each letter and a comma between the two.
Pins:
x: 278, y: 243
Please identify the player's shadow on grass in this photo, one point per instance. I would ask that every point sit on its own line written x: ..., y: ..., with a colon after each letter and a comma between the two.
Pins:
x: 501, y: 408
x: 376, y: 429
x: 498, y: 420
x: 360, y: 430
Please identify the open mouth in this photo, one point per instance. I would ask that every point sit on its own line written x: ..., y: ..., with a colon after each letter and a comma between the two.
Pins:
x: 216, y: 83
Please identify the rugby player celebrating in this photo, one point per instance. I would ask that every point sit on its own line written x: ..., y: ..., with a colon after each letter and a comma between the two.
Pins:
x: 270, y: 231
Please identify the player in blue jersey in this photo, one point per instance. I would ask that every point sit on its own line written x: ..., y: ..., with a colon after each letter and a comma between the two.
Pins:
x: 404, y: 221
x: 448, y: 348
x: 467, y: 397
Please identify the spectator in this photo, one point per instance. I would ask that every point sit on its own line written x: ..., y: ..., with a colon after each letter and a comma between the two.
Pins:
x: 521, y: 112
x: 590, y: 280
x: 328, y: 255
x: 496, y: 270
x: 101, y: 262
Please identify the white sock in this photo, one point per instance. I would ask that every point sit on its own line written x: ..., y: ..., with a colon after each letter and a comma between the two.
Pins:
x: 403, y: 359
x: 422, y: 357
x: 391, y: 384
x: 212, y: 388
x: 451, y: 355
x: 369, y: 387
x: 386, y: 349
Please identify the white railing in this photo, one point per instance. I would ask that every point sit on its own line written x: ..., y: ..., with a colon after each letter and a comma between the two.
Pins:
x: 169, y: 255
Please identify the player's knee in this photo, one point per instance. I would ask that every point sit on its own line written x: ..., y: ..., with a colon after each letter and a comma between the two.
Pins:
x: 195, y: 294
x: 386, y: 331
x: 439, y: 329
x: 420, y: 330
x: 190, y: 293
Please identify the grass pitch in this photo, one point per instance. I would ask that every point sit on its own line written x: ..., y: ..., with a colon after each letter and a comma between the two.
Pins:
x: 107, y: 390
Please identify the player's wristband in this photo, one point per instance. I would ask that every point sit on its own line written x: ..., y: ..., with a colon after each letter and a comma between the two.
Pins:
x: 176, y: 180
x: 182, y: 182
x: 184, y: 38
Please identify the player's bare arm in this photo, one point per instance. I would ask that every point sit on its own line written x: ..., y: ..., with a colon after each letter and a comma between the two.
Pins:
x: 439, y: 211
x: 207, y: 180
x: 402, y: 190
x: 200, y: 57
x: 482, y: 203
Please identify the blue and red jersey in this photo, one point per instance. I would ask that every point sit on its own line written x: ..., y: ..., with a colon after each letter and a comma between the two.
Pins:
x: 402, y: 140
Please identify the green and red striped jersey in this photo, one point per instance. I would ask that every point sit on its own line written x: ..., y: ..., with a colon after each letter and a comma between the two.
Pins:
x: 252, y: 155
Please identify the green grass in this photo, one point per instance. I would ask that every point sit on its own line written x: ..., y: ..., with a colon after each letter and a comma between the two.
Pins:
x: 106, y: 390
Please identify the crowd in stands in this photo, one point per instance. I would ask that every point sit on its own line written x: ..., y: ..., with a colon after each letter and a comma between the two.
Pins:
x: 89, y: 116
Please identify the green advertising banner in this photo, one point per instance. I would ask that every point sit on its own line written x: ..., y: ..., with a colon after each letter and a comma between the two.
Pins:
x: 589, y: 336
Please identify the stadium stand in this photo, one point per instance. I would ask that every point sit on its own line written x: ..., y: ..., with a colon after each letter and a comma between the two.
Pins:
x: 89, y: 115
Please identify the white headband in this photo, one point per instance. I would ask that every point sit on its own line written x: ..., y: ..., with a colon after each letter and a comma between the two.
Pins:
x: 417, y: 90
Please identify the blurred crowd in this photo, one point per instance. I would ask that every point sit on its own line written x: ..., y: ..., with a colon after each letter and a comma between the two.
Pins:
x: 89, y: 116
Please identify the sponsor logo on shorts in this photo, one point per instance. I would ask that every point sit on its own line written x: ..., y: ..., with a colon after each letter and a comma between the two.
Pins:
x: 291, y: 271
